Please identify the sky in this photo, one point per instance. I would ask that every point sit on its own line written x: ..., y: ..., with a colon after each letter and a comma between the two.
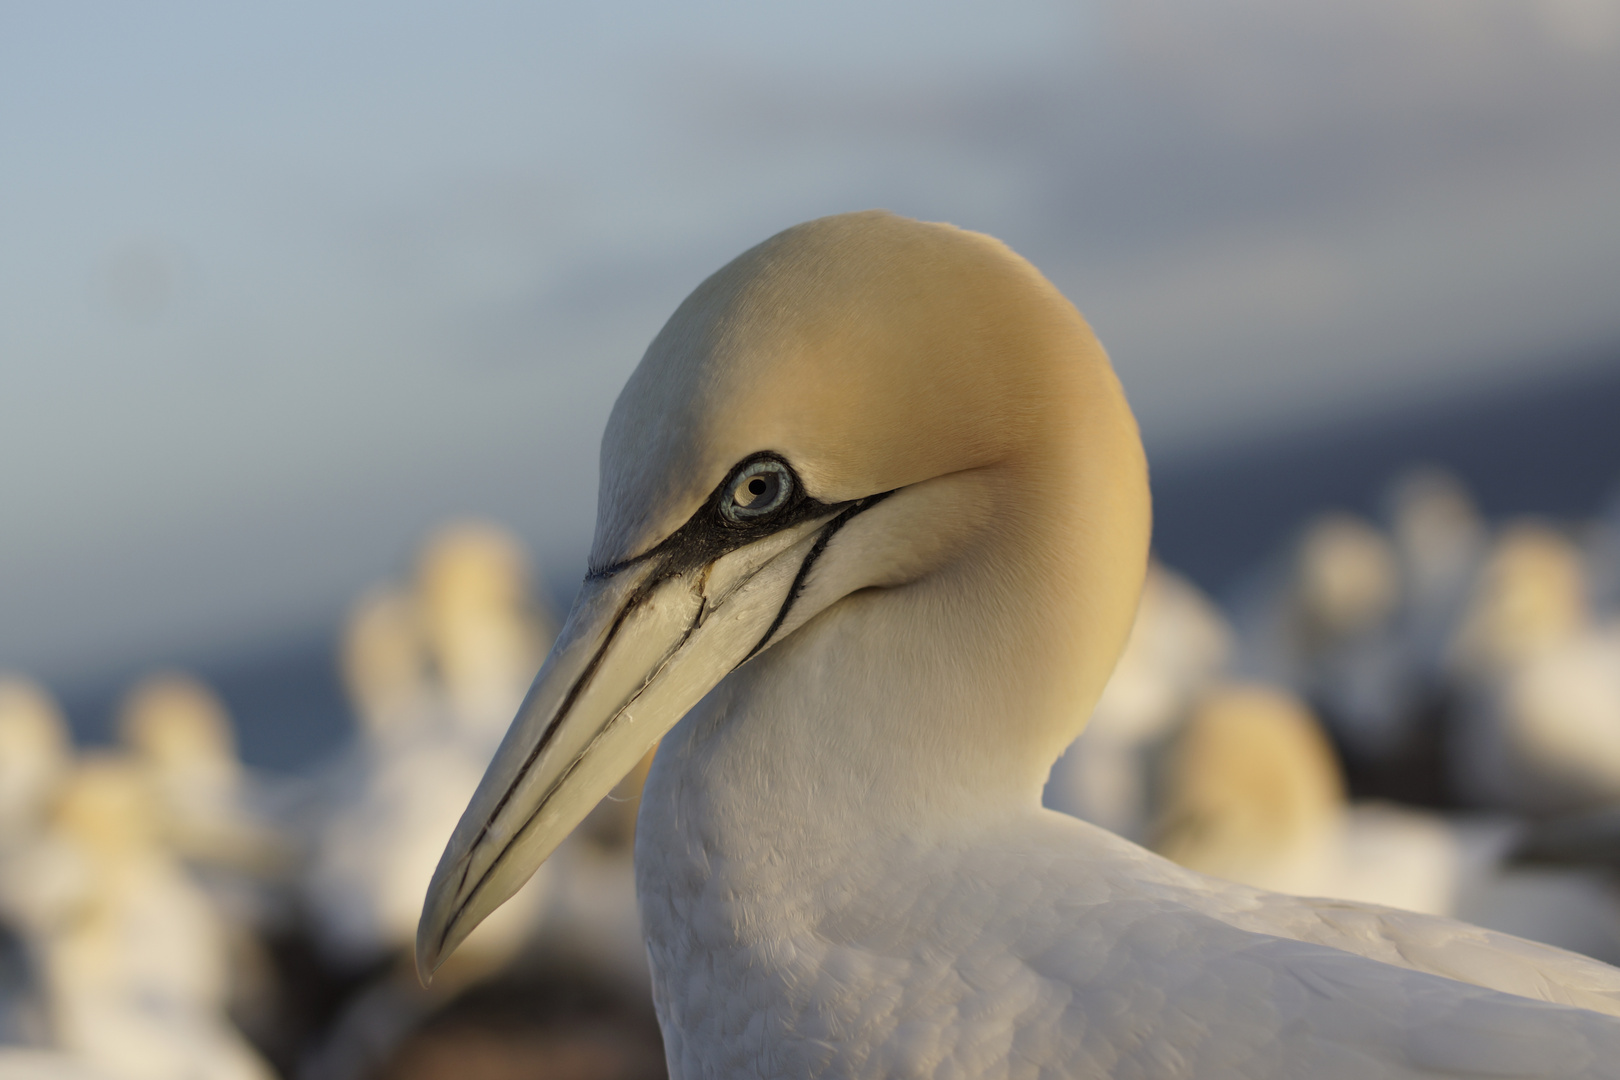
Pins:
x: 282, y: 286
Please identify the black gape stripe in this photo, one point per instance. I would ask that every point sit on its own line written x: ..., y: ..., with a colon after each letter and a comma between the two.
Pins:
x: 707, y: 535
x: 822, y: 540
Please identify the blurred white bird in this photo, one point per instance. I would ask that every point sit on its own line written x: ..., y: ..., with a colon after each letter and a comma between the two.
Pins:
x: 35, y: 757
x: 1440, y: 540
x: 485, y: 636
x: 228, y: 825
x: 874, y: 520
x: 1326, y: 626
x: 384, y: 663
x: 432, y: 673
x: 179, y: 734
x: 1253, y: 793
x: 135, y: 956
x: 1538, y: 728
x: 1178, y: 645
x: 1348, y: 590
x: 390, y: 803
x: 35, y: 754
x: 1529, y: 597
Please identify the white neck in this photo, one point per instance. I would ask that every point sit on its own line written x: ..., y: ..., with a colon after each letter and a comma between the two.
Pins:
x: 899, y: 718
x: 849, y: 730
x: 896, y: 711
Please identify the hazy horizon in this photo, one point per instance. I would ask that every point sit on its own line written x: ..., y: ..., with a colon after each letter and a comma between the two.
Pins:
x: 283, y: 287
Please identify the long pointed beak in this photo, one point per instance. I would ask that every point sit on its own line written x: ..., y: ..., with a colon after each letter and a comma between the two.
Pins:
x: 640, y: 648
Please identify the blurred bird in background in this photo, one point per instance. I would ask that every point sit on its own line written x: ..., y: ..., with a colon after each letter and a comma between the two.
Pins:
x: 35, y: 758
x: 427, y: 668
x: 1539, y: 677
x: 165, y: 911
x: 135, y: 957
x: 1253, y: 793
x: 434, y: 671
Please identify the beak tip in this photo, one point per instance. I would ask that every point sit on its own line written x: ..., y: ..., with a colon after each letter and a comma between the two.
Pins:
x: 427, y: 959
x: 424, y: 970
x: 432, y: 950
x: 434, y: 940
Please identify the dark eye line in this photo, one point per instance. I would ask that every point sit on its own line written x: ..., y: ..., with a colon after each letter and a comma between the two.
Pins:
x: 708, y: 534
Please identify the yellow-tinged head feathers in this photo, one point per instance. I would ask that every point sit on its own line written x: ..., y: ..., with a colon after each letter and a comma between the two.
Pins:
x: 849, y: 345
x: 929, y: 418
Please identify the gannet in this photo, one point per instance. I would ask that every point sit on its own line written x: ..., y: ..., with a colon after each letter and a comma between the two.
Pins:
x: 385, y: 807
x: 1326, y: 631
x: 134, y: 954
x: 485, y: 635
x: 430, y: 668
x: 1253, y: 793
x: 384, y: 665
x: 1530, y: 597
x: 486, y: 638
x: 36, y: 754
x: 1538, y: 727
x: 223, y: 821
x: 1348, y: 579
x: 1439, y: 539
x: 872, y: 522
x: 1348, y: 595
x: 180, y: 734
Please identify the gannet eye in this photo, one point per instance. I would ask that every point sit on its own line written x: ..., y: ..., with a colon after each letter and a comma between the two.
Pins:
x: 757, y: 490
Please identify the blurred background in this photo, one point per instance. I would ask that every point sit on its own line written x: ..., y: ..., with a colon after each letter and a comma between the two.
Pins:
x: 287, y: 291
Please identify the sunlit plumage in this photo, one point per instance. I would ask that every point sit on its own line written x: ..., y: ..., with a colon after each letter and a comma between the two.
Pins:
x: 842, y: 863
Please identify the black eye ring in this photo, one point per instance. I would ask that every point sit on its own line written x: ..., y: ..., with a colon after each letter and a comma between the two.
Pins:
x: 756, y: 491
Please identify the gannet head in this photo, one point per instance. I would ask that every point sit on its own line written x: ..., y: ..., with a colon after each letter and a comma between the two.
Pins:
x: 1346, y: 579
x: 383, y: 660
x: 1530, y: 597
x: 485, y: 637
x: 1438, y: 530
x: 180, y: 728
x: 855, y: 404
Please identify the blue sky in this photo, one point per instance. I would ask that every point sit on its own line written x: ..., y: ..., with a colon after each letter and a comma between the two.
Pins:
x: 281, y: 286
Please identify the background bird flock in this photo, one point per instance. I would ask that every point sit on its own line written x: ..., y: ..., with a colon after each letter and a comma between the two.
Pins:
x: 1421, y: 711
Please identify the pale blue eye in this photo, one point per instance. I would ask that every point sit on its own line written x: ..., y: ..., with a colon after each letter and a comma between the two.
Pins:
x: 760, y: 488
